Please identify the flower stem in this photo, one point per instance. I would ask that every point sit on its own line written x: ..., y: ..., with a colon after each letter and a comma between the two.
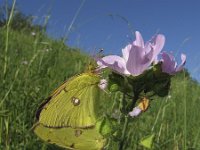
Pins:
x: 121, y: 144
x: 126, y: 120
x: 136, y: 96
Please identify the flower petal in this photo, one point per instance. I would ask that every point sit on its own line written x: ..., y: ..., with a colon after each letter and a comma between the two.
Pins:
x: 149, y: 53
x: 139, y: 40
x: 168, y: 63
x: 100, y: 64
x: 158, y: 44
x: 135, y: 112
x: 137, y: 62
x: 114, y: 62
x: 183, y: 61
x: 126, y: 51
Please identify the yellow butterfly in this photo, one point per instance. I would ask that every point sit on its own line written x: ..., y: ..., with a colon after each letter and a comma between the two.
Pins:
x: 68, y: 117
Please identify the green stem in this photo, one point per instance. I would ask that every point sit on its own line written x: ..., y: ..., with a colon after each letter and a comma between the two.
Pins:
x: 7, y: 38
x: 123, y: 133
x: 126, y: 119
x: 136, y: 96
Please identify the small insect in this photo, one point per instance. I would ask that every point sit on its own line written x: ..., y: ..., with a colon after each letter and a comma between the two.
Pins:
x: 144, y: 104
x: 141, y: 107
x: 101, y: 50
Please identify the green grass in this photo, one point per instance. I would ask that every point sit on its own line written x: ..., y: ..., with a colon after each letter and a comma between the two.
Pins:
x: 36, y: 65
x: 173, y: 119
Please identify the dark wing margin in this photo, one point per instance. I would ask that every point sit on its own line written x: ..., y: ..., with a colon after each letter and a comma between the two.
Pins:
x: 56, y: 92
x: 41, y: 107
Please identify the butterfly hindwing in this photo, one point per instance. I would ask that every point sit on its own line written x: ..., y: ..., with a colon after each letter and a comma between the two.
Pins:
x: 67, y: 137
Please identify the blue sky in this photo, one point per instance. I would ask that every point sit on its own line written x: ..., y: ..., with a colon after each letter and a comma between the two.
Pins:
x: 110, y: 24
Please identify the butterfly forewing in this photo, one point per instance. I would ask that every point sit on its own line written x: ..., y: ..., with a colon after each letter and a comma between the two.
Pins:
x: 73, y: 104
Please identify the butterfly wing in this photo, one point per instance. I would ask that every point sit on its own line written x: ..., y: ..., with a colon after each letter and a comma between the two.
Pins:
x: 73, y: 104
x: 67, y: 137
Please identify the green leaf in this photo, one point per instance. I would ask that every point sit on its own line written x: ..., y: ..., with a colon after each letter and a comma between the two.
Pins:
x: 114, y: 88
x: 147, y: 142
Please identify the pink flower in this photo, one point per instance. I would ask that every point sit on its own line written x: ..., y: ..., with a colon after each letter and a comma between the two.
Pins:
x: 136, y: 57
x: 169, y: 65
x: 135, y: 112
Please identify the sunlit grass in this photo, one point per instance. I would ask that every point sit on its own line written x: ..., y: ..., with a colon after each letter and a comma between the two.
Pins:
x: 32, y: 73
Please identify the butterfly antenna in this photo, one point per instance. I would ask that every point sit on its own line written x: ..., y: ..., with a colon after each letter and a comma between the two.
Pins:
x: 92, y: 66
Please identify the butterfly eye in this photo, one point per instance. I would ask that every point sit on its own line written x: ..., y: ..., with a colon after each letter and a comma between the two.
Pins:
x: 75, y: 101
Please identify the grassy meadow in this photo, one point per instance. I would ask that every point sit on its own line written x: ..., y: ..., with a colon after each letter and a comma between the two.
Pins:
x: 33, y: 65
